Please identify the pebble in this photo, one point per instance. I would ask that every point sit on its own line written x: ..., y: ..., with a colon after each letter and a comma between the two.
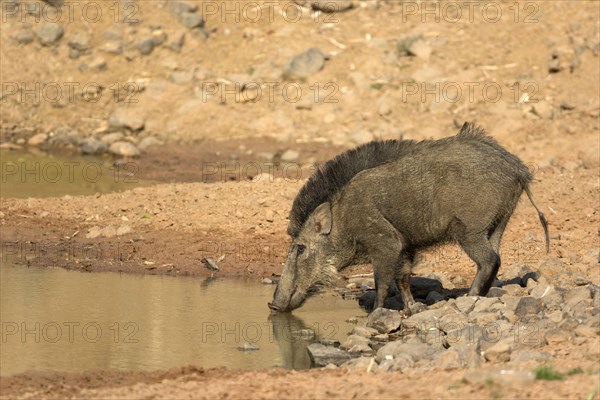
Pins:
x: 247, y: 346
x: 125, y: 118
x: 290, y: 156
x: 80, y: 42
x: 38, y: 139
x: 24, y: 37
x: 420, y: 49
x: 124, y: 149
x: 304, y: 64
x: 191, y: 20
x: 124, y: 230
x: 331, y: 6
x: 322, y: 355
x: 384, y: 320
x: 146, y: 45
x: 92, y: 145
x: 49, y: 33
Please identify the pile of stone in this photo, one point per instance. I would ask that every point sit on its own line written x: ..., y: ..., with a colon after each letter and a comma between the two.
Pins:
x: 515, y: 324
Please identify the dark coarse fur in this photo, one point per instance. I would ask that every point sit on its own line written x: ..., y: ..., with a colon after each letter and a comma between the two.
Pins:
x: 330, y: 178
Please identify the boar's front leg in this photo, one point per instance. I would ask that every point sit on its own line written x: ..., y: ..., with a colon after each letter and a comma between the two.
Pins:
x: 403, y: 279
x: 385, y: 256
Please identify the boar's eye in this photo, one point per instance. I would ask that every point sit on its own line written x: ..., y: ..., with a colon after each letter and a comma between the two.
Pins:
x: 300, y: 249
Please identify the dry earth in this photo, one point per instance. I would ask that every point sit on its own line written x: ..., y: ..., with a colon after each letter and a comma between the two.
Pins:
x: 544, y: 59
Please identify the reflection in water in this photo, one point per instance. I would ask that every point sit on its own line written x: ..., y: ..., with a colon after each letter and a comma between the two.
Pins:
x: 293, y: 336
x: 36, y: 174
x: 59, y: 320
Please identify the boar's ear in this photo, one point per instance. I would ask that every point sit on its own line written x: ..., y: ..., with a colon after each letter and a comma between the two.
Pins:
x: 323, y: 220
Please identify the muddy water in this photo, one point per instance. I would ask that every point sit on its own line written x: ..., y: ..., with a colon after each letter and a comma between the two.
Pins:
x: 59, y: 320
x: 37, y: 174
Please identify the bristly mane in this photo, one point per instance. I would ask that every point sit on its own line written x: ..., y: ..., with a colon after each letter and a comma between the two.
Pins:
x: 331, y: 177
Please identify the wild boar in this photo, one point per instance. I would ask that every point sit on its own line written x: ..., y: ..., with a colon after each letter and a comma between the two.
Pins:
x: 386, y: 200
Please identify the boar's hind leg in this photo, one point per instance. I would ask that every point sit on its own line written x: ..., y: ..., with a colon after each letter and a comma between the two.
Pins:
x: 479, y: 249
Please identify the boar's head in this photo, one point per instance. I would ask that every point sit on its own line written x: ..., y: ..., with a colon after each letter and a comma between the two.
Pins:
x: 311, y: 262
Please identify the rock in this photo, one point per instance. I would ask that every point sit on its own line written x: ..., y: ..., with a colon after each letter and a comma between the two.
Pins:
x: 500, y: 351
x: 555, y: 66
x: 329, y: 342
x: 290, y: 156
x: 48, y: 33
x: 247, y: 346
x: 528, y: 306
x: 367, y: 364
x: 510, y: 302
x: 145, y: 46
x: 420, y: 49
x: 331, y: 6
x: 420, y: 287
x: 384, y: 320
x: 434, y: 297
x: 542, y: 290
x: 576, y: 295
x: 528, y: 357
x: 364, y: 331
x: 416, y: 351
x: 98, y: 64
x: 485, y: 304
x: 176, y: 41
x: 515, y: 274
x: 321, y: 355
x: 304, y: 64
x: 81, y: 42
x: 543, y: 110
x: 499, y: 376
x: 551, y: 268
x: 159, y: 37
x: 465, y: 335
x: 125, y: 149
x: 110, y: 138
x: 92, y: 145
x: 124, y: 230
x: 148, y: 141
x: 356, y: 344
x: 93, y: 233
x: 405, y: 44
x: 112, y: 47
x: 515, y: 289
x: 108, y: 231
x: 179, y: 7
x: 465, y: 303
x: 452, y: 320
x: 125, y: 118
x: 38, y: 139
x: 558, y: 336
x: 191, y: 20
x: 496, y: 292
x: 448, y: 359
x: 399, y: 363
x: 24, y: 37
x: 587, y: 331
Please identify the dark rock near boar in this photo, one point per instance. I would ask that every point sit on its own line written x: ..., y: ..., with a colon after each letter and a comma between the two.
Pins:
x: 384, y: 201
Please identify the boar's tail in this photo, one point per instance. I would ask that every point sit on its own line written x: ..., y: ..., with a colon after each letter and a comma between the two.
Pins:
x: 543, y: 219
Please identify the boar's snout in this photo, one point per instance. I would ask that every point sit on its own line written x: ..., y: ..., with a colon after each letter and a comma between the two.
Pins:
x: 274, y: 309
